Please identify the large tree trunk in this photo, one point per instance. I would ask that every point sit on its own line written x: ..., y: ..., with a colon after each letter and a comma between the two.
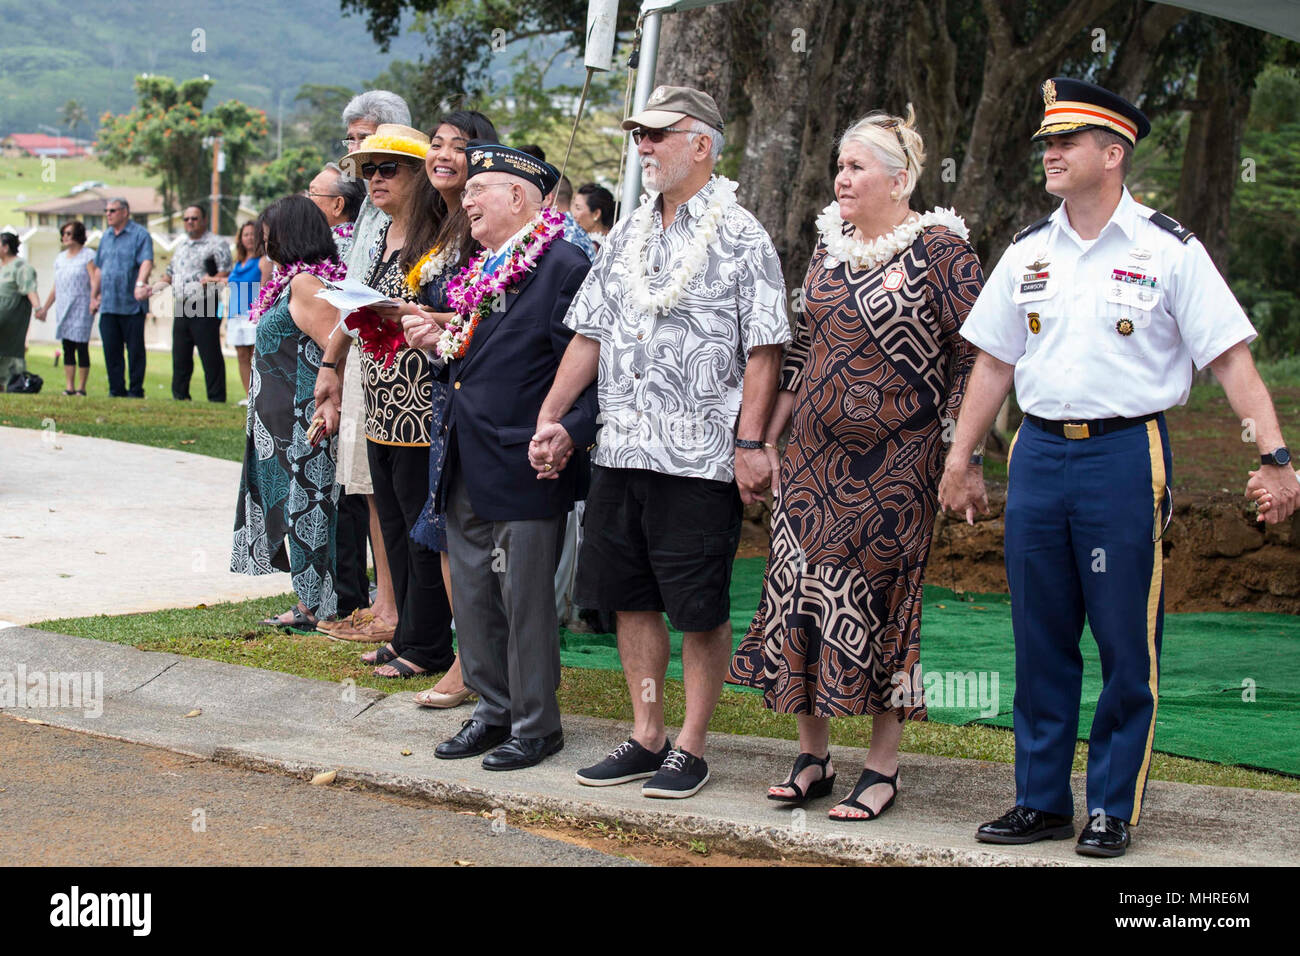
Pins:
x: 694, y: 50
x: 1212, y: 155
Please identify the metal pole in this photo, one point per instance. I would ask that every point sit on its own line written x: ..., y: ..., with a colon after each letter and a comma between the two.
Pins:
x: 645, y: 84
x: 215, y: 198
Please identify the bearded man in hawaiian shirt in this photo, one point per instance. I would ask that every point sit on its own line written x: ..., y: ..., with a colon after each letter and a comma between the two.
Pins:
x: 682, y: 322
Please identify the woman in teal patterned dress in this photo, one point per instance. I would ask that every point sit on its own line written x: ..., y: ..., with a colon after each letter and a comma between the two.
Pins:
x: 286, y: 515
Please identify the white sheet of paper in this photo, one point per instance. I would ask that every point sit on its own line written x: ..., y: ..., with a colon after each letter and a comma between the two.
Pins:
x: 349, y: 295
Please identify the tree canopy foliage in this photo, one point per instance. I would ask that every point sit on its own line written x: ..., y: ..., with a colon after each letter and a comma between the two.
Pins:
x: 165, y: 134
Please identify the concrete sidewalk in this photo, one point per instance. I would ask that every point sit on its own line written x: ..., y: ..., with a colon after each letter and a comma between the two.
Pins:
x: 272, y: 721
x: 93, y: 526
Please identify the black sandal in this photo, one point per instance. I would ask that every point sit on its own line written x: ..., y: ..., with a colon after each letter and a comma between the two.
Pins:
x: 404, y: 669
x: 301, y: 621
x: 385, y: 655
x: 868, y: 779
x: 819, y: 788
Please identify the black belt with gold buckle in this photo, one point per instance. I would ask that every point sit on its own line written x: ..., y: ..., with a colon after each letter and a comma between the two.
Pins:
x: 1092, y: 429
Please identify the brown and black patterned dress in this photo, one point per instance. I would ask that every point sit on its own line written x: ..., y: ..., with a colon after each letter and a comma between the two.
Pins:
x: 878, y: 369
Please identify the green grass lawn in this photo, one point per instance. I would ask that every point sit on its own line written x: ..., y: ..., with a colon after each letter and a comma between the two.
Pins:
x: 159, y: 420
x: 22, y: 181
x: 227, y: 632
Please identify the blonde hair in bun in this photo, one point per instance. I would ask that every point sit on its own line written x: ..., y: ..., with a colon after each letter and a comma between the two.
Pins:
x: 894, y: 141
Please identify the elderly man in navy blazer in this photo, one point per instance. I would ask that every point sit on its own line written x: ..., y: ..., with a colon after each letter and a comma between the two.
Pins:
x: 505, y: 528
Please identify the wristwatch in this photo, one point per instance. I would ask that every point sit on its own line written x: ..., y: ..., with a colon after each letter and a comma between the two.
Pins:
x: 1280, y: 456
x: 745, y: 443
x: 333, y: 365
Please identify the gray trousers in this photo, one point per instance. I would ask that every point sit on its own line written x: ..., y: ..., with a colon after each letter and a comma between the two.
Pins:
x: 503, y: 594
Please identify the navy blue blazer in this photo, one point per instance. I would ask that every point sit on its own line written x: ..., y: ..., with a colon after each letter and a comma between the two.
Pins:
x: 497, y: 390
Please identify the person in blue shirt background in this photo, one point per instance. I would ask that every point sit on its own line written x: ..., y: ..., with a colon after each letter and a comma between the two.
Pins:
x: 120, y: 287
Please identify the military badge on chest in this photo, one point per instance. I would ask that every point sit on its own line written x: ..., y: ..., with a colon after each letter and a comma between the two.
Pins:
x: 1035, y: 325
x: 1035, y: 277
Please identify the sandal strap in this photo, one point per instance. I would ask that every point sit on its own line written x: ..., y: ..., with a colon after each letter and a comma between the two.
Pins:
x: 806, y: 760
x: 802, y: 763
x: 869, y: 779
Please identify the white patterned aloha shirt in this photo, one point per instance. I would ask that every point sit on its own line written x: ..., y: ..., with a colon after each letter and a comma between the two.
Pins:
x: 190, y: 296
x: 670, y: 383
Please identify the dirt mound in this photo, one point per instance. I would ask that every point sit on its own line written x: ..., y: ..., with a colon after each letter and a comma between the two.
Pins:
x: 1217, y: 557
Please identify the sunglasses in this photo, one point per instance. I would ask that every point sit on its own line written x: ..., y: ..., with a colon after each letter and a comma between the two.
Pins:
x: 385, y: 170
x: 654, y: 135
x: 190, y: 219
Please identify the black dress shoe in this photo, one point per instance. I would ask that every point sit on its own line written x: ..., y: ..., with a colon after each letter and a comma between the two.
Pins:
x: 474, y: 738
x: 1103, y: 836
x: 1025, y: 825
x: 520, y: 752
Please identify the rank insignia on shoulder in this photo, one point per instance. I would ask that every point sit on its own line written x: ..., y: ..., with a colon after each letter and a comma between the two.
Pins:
x: 1028, y: 230
x: 1169, y: 224
x: 1124, y: 326
x: 1034, y: 325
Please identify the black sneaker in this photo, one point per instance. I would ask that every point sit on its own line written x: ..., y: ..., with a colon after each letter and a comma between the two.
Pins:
x: 682, y: 775
x: 626, y: 762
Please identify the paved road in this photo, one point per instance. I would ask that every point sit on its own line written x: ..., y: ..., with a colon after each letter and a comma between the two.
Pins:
x: 77, y: 513
x: 70, y: 799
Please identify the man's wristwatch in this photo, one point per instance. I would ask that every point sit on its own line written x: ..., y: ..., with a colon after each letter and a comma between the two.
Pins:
x: 745, y: 443
x: 333, y: 365
x: 1280, y: 456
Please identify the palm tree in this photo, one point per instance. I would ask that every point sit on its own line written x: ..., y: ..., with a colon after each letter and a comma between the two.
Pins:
x: 73, y: 115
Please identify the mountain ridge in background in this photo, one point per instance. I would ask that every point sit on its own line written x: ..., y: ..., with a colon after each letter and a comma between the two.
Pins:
x: 91, y: 51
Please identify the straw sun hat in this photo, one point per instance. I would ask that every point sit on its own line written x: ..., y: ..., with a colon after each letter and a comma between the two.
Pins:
x: 388, y: 141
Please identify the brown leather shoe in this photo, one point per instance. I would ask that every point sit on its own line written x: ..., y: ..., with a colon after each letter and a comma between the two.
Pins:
x: 355, y: 619
x: 373, y: 631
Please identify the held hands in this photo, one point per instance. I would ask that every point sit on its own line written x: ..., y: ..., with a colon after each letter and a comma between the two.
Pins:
x: 328, y: 394
x: 962, y: 491
x: 423, y: 326
x: 1275, y: 489
x: 754, y: 469
x: 143, y: 292
x: 94, y: 304
x: 550, y: 449
x: 40, y: 313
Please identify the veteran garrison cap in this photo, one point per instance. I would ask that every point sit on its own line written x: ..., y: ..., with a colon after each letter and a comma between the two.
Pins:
x: 672, y: 104
x: 1071, y: 105
x: 487, y: 157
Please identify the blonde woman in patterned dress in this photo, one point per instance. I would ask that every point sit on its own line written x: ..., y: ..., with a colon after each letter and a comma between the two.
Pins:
x: 876, y: 368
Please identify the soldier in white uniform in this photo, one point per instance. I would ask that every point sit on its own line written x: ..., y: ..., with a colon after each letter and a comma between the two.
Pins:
x: 1099, y: 311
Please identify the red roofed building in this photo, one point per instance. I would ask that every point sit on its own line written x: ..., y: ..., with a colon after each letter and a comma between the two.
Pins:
x: 43, y: 144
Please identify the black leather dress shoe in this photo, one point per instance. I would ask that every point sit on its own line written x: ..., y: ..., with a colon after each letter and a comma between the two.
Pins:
x: 474, y: 738
x: 1103, y: 836
x: 520, y: 752
x: 1025, y: 825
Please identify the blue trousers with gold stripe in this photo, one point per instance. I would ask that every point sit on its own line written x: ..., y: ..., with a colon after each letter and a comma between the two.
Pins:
x: 1080, y: 521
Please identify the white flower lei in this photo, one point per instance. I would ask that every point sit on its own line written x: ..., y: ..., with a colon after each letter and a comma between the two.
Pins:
x: 869, y: 255
x: 434, y: 266
x: 692, y: 259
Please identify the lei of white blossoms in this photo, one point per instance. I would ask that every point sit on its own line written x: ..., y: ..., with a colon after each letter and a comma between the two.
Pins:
x: 868, y: 255
x: 693, y: 257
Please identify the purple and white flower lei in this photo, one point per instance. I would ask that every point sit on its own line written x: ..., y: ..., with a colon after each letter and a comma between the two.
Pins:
x: 328, y: 269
